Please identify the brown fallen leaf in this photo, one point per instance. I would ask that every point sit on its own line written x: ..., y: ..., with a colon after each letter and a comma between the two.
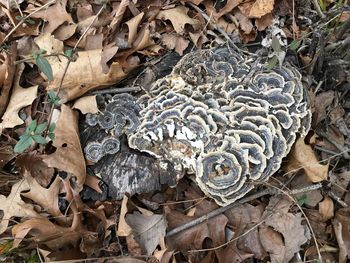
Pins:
x: 33, y: 163
x: 20, y: 98
x: 172, y: 41
x: 257, y: 8
x: 322, y: 102
x: 86, y: 104
x: 245, y: 23
x: 178, y: 18
x: 288, y: 224
x: 47, y: 198
x: 6, y: 154
x: 326, y: 209
x: 55, y: 15
x: 263, y: 22
x: 243, y: 219
x: 83, y: 75
x: 14, y: 206
x: 302, y: 156
x: 272, y: 242
x: 7, y: 73
x: 68, y: 156
x: 148, y: 231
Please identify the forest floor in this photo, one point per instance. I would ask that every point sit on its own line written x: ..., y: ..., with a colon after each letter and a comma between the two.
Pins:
x: 57, y: 57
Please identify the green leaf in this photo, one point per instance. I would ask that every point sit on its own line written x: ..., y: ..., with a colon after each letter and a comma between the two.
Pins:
x: 295, y: 44
x: 30, y: 21
x: 52, y: 127
x: 31, y: 127
x: 51, y: 136
x: 302, y: 200
x: 272, y: 62
x: 44, y: 65
x: 24, y: 143
x: 276, y: 46
x: 18, y: 18
x: 53, y: 98
x: 39, y: 139
x: 40, y: 128
x: 69, y: 53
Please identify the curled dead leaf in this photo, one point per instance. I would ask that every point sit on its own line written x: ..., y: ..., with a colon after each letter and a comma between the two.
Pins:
x: 326, y: 209
x: 86, y: 104
x: 303, y: 157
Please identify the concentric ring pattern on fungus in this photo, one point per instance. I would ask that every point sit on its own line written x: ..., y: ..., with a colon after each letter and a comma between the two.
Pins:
x: 225, y: 118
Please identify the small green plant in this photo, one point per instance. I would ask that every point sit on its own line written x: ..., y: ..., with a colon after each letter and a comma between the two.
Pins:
x: 34, y: 133
x: 42, y: 63
x: 53, y: 98
x: 27, y: 21
x: 302, y: 200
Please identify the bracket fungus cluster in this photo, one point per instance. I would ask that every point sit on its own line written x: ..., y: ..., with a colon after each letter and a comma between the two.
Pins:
x: 223, y: 116
x: 120, y: 116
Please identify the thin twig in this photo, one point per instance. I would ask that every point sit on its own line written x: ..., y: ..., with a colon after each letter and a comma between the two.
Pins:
x: 24, y: 19
x: 117, y: 90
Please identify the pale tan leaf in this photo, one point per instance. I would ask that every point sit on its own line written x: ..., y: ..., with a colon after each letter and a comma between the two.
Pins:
x: 55, y: 14
x: 13, y: 205
x: 148, y: 230
x: 87, y: 104
x: 244, y: 22
x: 326, y: 209
x: 123, y: 228
x: 20, y: 98
x: 179, y: 43
x: 178, y: 18
x: 133, y: 24
x: 263, y: 22
x: 303, y: 157
x: 257, y: 8
x: 68, y: 156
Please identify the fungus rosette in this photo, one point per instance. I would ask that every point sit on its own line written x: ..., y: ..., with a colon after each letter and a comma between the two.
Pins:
x: 225, y: 117
x: 120, y: 116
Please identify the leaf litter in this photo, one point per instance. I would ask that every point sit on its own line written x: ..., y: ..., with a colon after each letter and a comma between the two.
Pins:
x: 103, y: 43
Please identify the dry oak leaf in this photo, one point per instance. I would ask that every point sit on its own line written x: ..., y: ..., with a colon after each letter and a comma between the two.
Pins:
x: 83, y: 75
x: 263, y: 22
x: 47, y: 198
x: 257, y: 8
x: 13, y: 205
x: 68, y: 156
x: 56, y: 15
x: 288, y: 224
x: 178, y: 18
x: 272, y: 242
x: 179, y: 43
x: 86, y: 104
x: 45, y: 232
x: 148, y: 231
x: 20, y: 98
x: 302, y: 156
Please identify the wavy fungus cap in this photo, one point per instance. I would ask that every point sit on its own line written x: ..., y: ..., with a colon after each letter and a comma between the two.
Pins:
x: 224, y: 117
